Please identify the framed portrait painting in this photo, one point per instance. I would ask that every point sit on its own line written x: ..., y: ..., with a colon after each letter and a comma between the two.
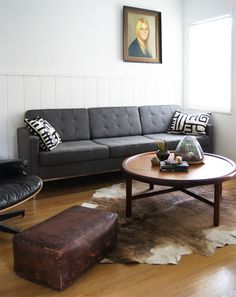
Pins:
x: 141, y: 35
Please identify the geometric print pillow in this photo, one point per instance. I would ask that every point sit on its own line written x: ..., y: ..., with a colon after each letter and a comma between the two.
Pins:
x: 49, y: 139
x: 189, y: 123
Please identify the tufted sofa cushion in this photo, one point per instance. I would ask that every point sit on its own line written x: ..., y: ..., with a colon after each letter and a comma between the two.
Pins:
x: 98, y: 139
x: 156, y: 119
x: 114, y: 121
x: 71, y: 124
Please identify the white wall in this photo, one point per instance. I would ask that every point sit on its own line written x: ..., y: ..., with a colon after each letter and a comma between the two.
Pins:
x: 68, y: 53
x: 197, y: 10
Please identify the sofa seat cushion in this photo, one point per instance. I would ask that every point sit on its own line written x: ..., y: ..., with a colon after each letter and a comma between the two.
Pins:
x: 173, y: 139
x: 74, y: 151
x: 128, y: 145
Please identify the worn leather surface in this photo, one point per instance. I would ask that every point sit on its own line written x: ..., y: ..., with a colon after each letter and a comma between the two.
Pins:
x: 11, y: 167
x: 58, y: 250
x: 18, y: 188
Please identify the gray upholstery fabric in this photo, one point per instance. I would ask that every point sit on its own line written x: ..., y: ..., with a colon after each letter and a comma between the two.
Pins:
x: 114, y: 121
x: 23, y: 140
x: 74, y: 151
x: 71, y: 124
x: 173, y: 139
x: 81, y: 168
x: 156, y: 119
x: 128, y: 145
x: 117, y: 133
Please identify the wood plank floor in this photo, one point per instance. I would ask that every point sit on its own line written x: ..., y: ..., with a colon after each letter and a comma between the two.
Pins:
x: 197, y: 276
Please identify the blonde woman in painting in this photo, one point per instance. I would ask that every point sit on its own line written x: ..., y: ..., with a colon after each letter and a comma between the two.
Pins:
x: 140, y: 47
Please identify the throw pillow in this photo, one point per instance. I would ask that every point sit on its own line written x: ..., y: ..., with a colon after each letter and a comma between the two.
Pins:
x: 189, y: 123
x: 49, y: 139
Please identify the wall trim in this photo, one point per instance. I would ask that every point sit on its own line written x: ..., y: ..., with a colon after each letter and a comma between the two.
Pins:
x: 68, y: 74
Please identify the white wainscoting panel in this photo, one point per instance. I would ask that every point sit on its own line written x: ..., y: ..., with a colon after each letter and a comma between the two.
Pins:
x: 47, y: 92
x: 23, y: 91
x: 104, y: 92
x: 128, y: 92
x: 152, y: 91
x: 16, y: 108
x: 76, y: 92
x: 90, y: 92
x: 62, y: 92
x: 139, y: 91
x: 116, y: 91
x: 31, y: 88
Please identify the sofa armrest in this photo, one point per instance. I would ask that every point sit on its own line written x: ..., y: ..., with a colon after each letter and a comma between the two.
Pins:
x: 28, y: 149
x: 210, y: 133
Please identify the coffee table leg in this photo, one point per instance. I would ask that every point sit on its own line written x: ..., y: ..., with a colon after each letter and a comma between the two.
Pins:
x: 151, y: 186
x: 128, y: 197
x: 217, y: 197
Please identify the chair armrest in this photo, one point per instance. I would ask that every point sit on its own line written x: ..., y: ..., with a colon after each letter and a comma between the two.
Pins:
x: 12, y: 167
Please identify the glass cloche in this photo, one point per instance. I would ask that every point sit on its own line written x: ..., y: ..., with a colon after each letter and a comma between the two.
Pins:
x: 190, y: 150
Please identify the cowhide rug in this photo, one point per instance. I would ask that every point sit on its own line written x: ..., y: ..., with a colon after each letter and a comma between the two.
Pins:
x: 164, y: 228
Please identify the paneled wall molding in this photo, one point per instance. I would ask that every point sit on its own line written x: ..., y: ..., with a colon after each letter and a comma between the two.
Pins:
x: 65, y: 54
x: 68, y: 74
x: 21, y: 91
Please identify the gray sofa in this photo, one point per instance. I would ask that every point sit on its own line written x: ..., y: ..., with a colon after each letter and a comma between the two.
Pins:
x: 96, y: 140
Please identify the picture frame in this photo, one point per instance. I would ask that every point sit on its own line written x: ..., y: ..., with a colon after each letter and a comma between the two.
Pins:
x: 142, y: 41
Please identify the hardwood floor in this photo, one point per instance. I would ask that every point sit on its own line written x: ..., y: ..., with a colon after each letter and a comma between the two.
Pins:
x: 195, y: 275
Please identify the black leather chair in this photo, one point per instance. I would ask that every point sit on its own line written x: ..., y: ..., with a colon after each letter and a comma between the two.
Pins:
x: 16, y: 187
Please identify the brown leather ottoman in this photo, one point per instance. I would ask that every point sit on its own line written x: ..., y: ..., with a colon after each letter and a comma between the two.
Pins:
x: 60, y: 249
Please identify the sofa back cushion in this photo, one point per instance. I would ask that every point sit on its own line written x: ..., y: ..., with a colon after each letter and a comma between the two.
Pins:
x: 114, y: 121
x: 156, y: 118
x: 71, y: 124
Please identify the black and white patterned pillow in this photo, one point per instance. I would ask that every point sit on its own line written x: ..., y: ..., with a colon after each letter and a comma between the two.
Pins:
x: 49, y: 139
x: 189, y: 123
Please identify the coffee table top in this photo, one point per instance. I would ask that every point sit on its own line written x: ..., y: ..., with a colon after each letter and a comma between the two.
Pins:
x: 214, y: 168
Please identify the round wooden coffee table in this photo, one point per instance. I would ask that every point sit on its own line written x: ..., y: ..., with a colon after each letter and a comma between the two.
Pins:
x: 214, y: 170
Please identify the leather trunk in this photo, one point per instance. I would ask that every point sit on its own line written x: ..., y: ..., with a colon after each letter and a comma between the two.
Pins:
x: 60, y: 249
